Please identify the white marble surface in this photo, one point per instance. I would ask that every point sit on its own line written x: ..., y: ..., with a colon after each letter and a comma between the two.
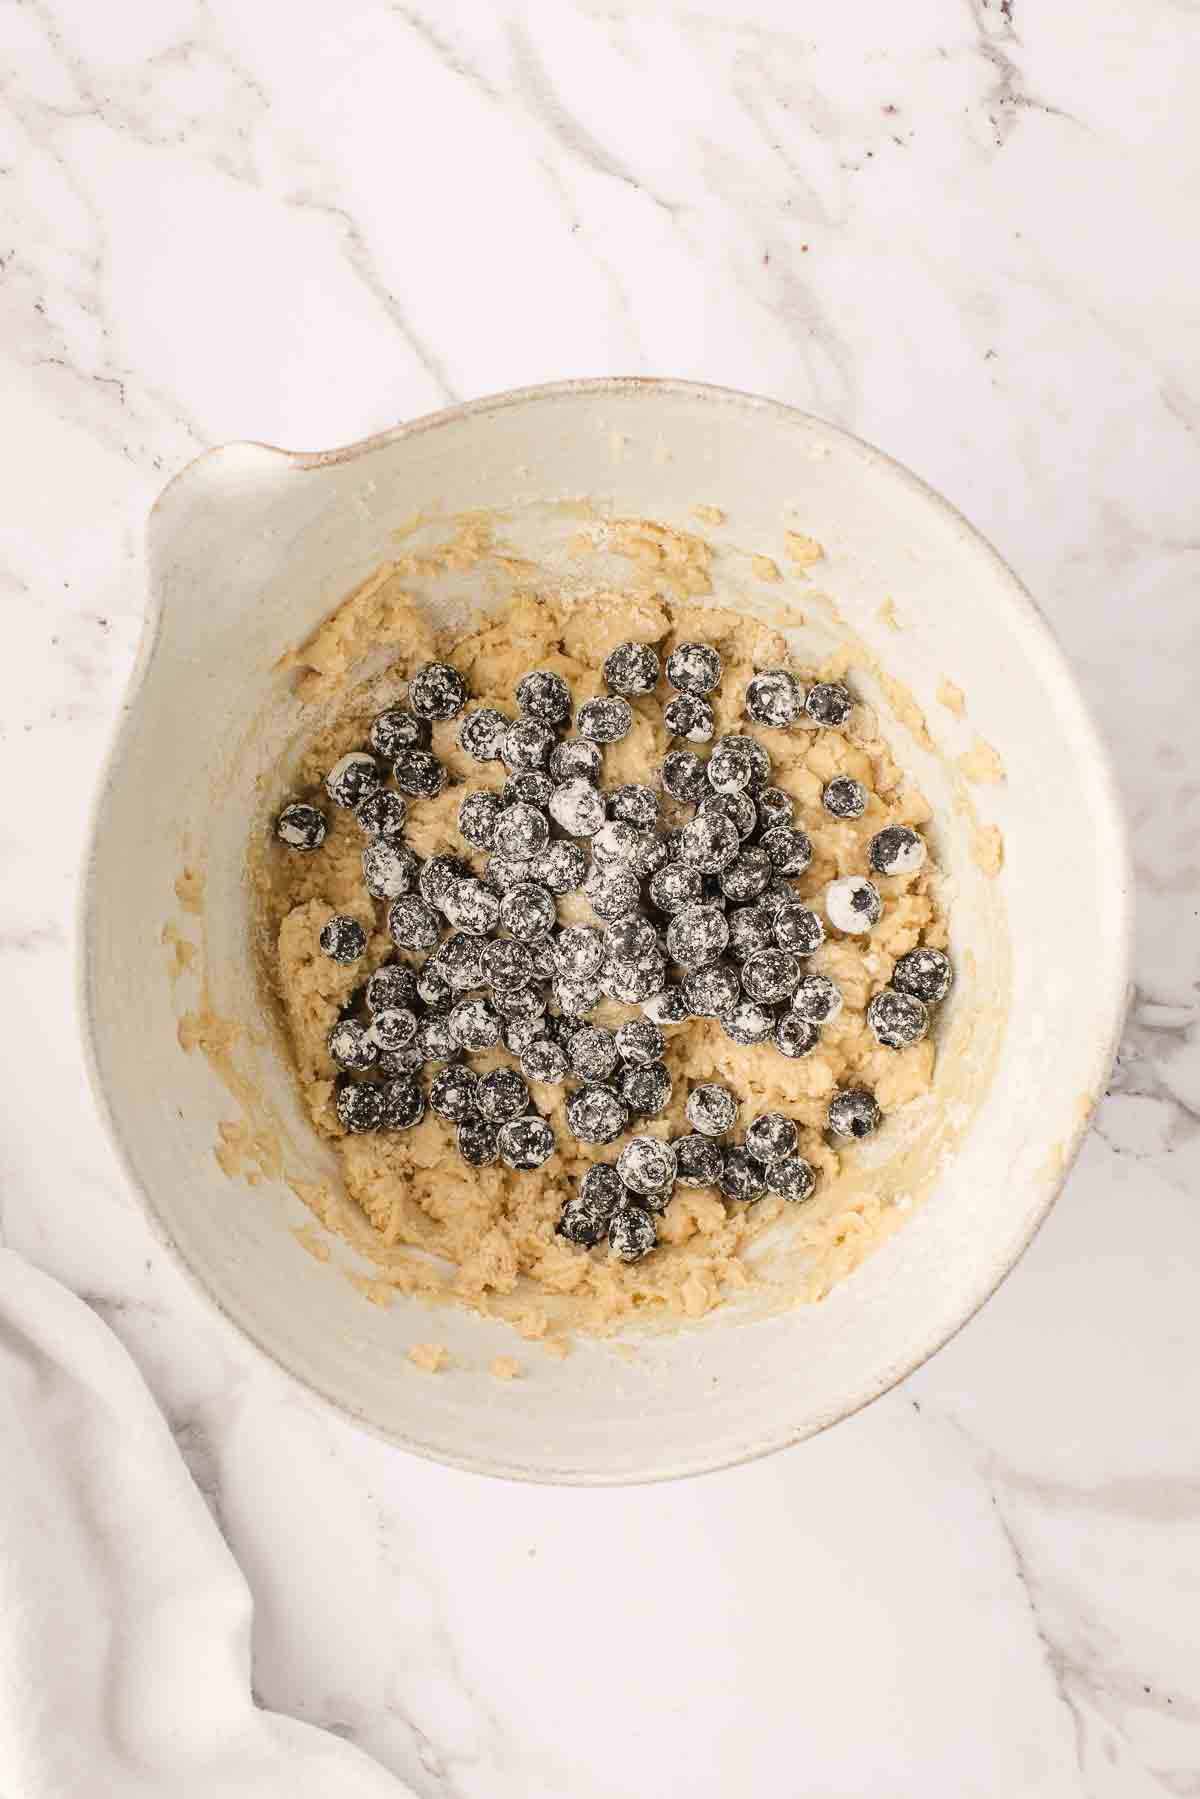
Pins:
x: 966, y: 231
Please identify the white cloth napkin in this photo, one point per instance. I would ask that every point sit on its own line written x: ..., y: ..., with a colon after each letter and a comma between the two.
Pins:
x: 124, y: 1620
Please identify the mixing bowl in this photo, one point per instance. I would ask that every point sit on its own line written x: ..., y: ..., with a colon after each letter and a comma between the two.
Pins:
x: 249, y: 549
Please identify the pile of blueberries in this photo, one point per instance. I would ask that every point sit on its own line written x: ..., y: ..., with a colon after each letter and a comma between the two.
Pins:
x: 694, y: 919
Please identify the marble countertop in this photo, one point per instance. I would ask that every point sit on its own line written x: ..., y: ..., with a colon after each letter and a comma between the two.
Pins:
x: 965, y: 231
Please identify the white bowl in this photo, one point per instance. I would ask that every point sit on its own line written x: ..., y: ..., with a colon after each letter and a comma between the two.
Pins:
x: 248, y: 549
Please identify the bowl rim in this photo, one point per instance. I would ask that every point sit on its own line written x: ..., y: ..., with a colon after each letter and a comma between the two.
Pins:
x: 1037, y: 626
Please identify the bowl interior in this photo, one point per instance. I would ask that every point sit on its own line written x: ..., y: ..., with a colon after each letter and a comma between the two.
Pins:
x: 249, y: 549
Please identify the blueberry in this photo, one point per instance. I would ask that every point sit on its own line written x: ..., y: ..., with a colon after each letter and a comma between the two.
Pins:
x: 436, y: 1040
x: 798, y: 929
x: 632, y: 669
x: 630, y: 981
x: 478, y: 1142
x: 896, y: 850
x: 649, y: 854
x: 477, y: 816
x: 521, y: 831
x: 561, y: 867
x: 452, y: 1092
x: 615, y: 843
x: 738, y: 765
x: 694, y: 668
x: 506, y: 963
x: 527, y: 745
x: 853, y: 905
x: 392, y: 985
x: 632, y: 1232
x: 775, y: 698
x: 502, y: 1095
x: 605, y: 721
x: 667, y: 1006
x: 352, y: 779
x: 585, y: 1215
x: 384, y: 814
x: 897, y: 1019
x: 774, y: 807
x: 577, y: 808
x: 711, y: 991
x: 389, y: 869
x: 829, y: 703
x: 674, y: 887
x: 747, y: 876
x: 342, y: 939
x: 741, y: 1176
x: 579, y: 951
x: 771, y: 1136
x: 844, y: 798
x: 433, y: 989
x: 532, y: 786
x: 790, y: 850
x: 697, y: 936
x: 632, y: 938
x: 577, y: 995
x: 579, y: 757
x: 527, y: 911
x: 437, y: 877
x: 646, y: 1090
x: 711, y: 1109
x: 792, y: 1178
x: 411, y: 923
x: 770, y: 975
x: 419, y: 774
x: 689, y: 717
x: 301, y: 827
x: 738, y: 808
x: 593, y: 1053
x: 683, y: 775
x: 472, y: 905
x: 596, y: 1114
x: 475, y: 1024
x: 544, y: 1060
x: 796, y: 1035
x: 481, y: 734
x: 646, y: 1165
x: 437, y: 691
x: 747, y: 1023
x: 818, y: 998
x: 359, y: 1106
x: 396, y: 730
x: 634, y: 804
x: 543, y: 695
x: 709, y: 843
x: 408, y: 1060
x: 351, y: 1047
x: 612, y: 891
x: 853, y: 1112
x: 925, y: 973
x: 639, y: 1042
x: 403, y: 1104
x: 751, y: 928
x: 519, y: 1003
x: 394, y: 1028
x: 460, y: 960
x: 698, y: 1161
x: 506, y: 872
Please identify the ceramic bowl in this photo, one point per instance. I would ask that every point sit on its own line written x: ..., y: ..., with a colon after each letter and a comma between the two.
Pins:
x: 249, y: 548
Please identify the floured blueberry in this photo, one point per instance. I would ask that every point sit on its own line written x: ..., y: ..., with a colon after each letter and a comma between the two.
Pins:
x: 544, y: 1060
x: 577, y: 807
x: 351, y: 1047
x: 829, y: 703
x: 475, y: 1024
x: 403, y: 1104
x: 694, y: 668
x: 612, y: 891
x: 698, y: 1161
x: 389, y: 869
x: 770, y: 1136
x: 353, y: 779
x: 506, y: 963
x: 596, y: 1114
x: 394, y: 1028
x: 472, y: 905
x: 419, y: 774
x: 613, y: 844
x: 576, y: 758
x: 697, y: 936
x: 478, y: 1142
x: 542, y: 952
x: 384, y: 814
x: 460, y: 960
x: 790, y: 850
x: 543, y: 695
x: 593, y: 1053
x: 521, y: 832
x: 585, y: 1215
x: 770, y: 974
x: 502, y: 1095
x: 506, y: 872
x: 896, y: 850
x: 675, y: 886
x: 897, y: 1019
x: 774, y: 698
x: 747, y: 876
x: 796, y: 1035
x: 631, y: 982
x: 407, y: 1060
x: 342, y: 939
x: 520, y: 1033
x: 532, y: 786
x: 798, y: 929
x: 639, y: 1042
x: 561, y: 867
x: 741, y: 1176
x: 690, y: 717
x: 437, y: 877
x: 452, y: 1092
x: 792, y: 1178
x: 528, y: 1002
x: 411, y: 923
x: 481, y: 734
x: 632, y: 1232
x: 646, y: 1165
x: 817, y: 997
x: 359, y: 1106
x: 684, y: 776
x: 634, y: 804
x: 527, y: 911
x: 667, y: 1006
x: 525, y: 1143
x: 747, y: 1023
x: 527, y: 745
x: 632, y: 938
x: 774, y: 807
x: 579, y: 950
x: 477, y: 816
x: 709, y: 843
x: 605, y: 721
x: 711, y: 991
x: 436, y: 1040
x: 853, y: 1112
x: 925, y: 973
x: 711, y: 1109
x: 301, y: 827
x: 738, y: 765
x: 853, y: 904
x: 751, y: 928
x: 437, y: 691
x: 845, y: 798
x: 433, y: 989
x: 392, y: 985
x: 577, y: 995
x: 632, y: 669
x: 738, y: 808
x: 396, y: 730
